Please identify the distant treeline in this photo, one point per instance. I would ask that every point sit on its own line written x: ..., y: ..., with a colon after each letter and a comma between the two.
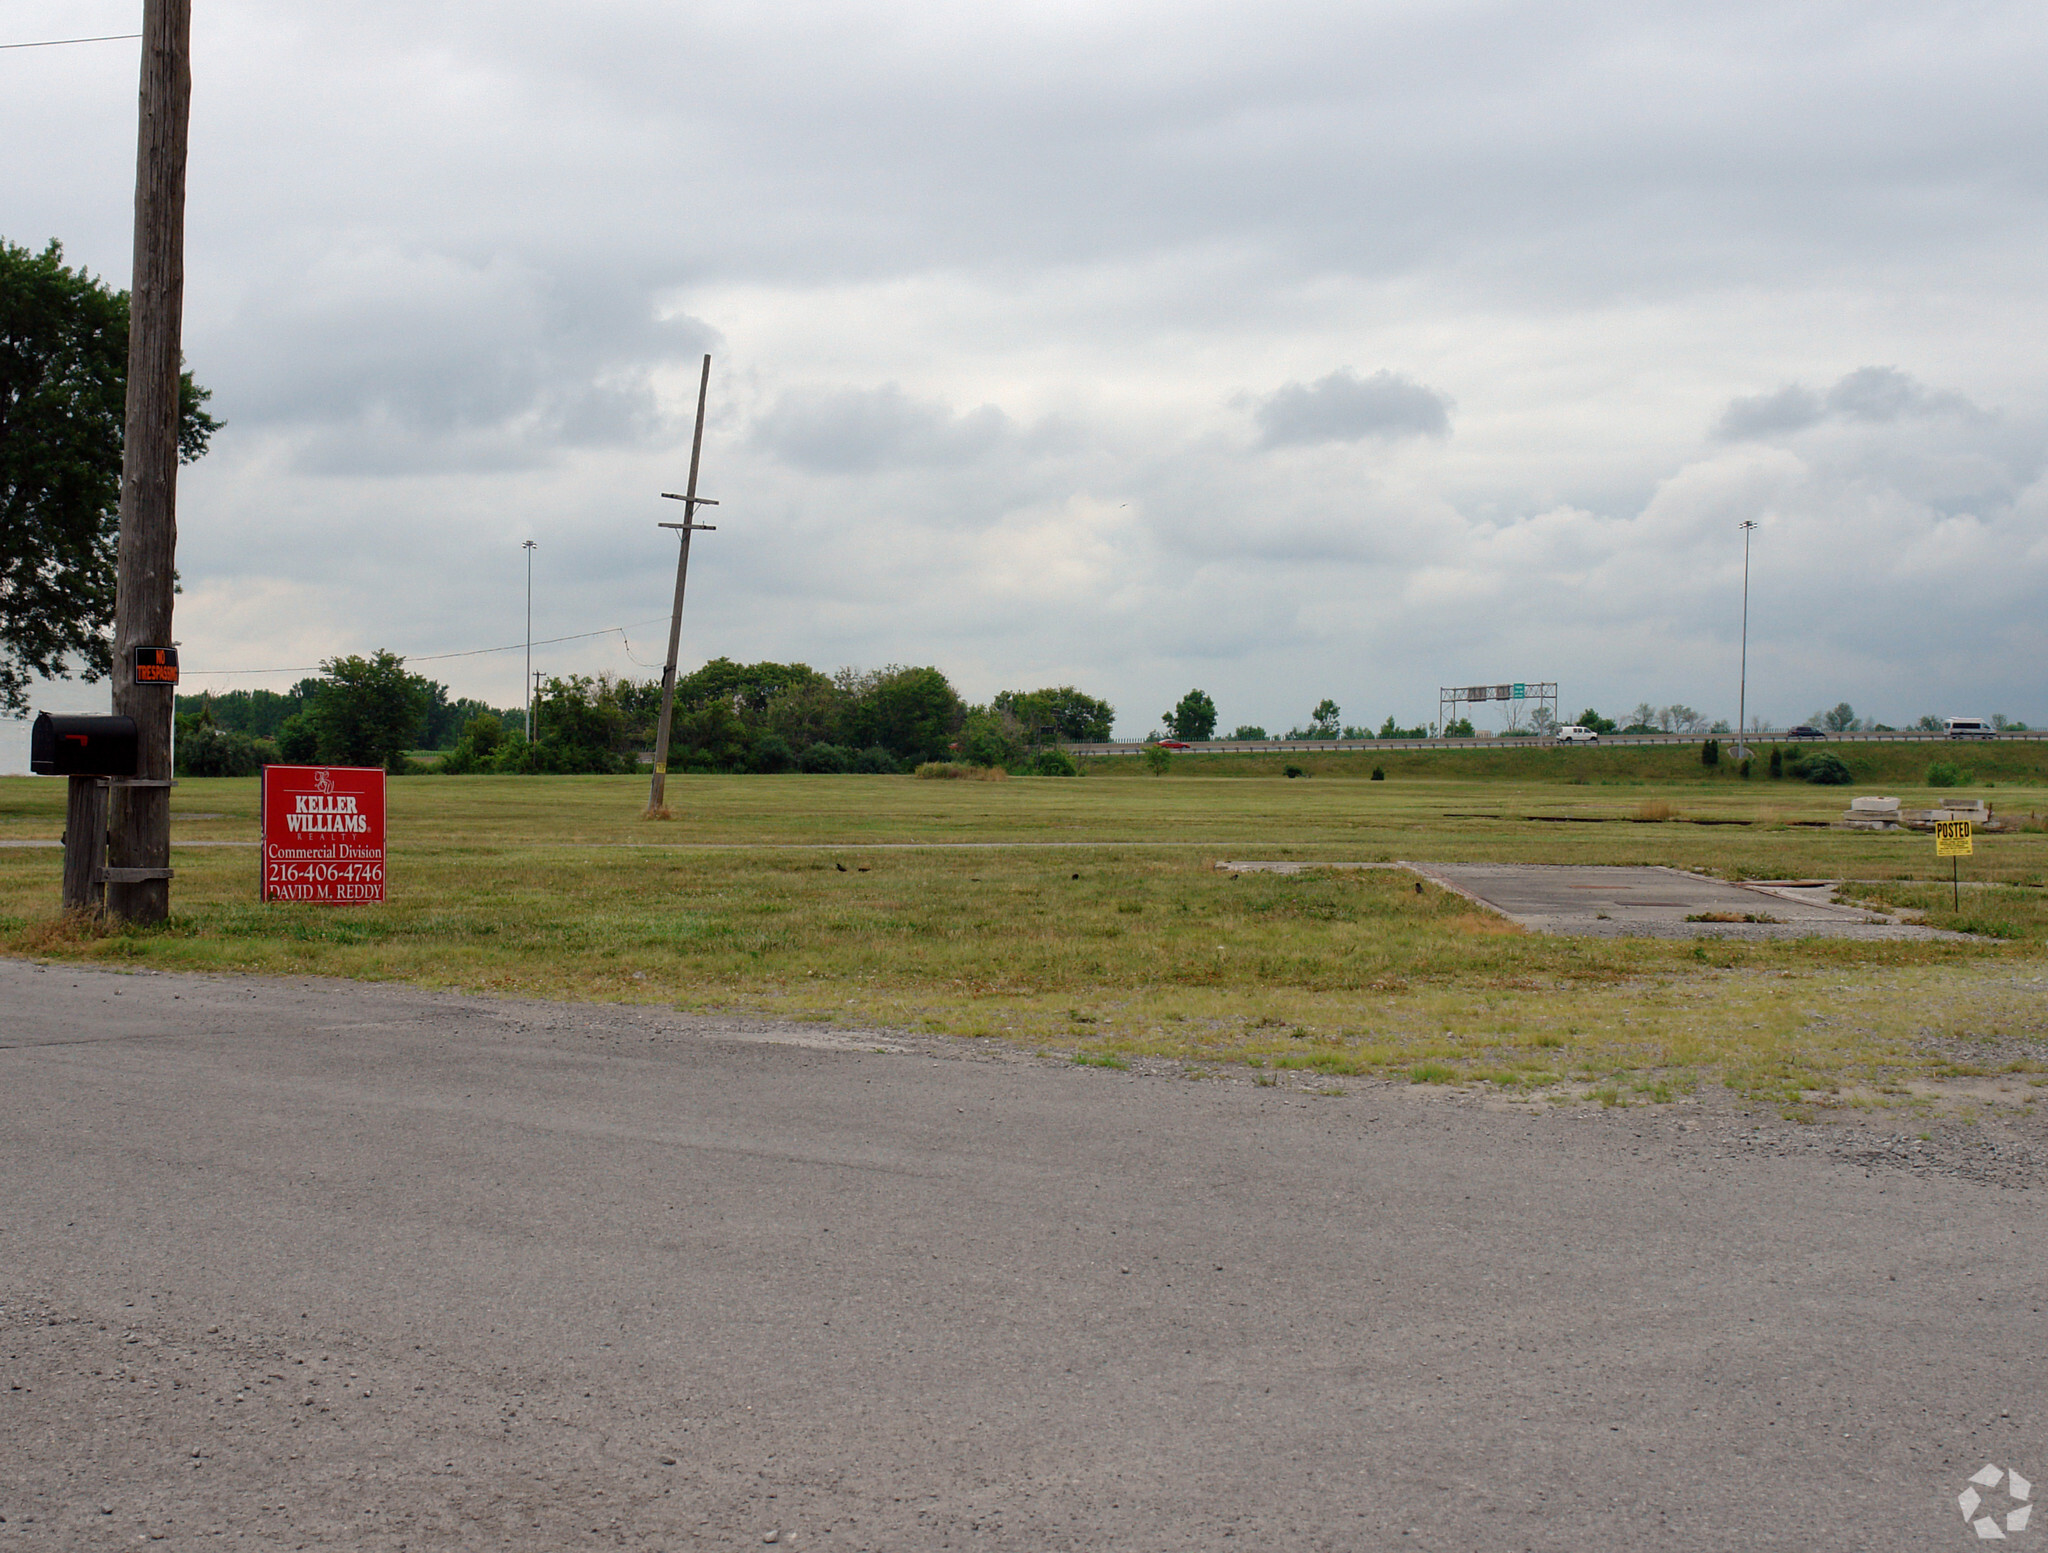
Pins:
x: 728, y: 717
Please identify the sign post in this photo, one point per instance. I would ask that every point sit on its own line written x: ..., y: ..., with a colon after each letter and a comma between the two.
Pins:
x: 323, y: 834
x: 1952, y: 841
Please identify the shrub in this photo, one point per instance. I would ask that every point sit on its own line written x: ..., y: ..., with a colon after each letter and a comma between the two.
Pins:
x: 772, y: 753
x: 1826, y: 771
x: 1947, y: 774
x: 1157, y: 759
x: 1249, y: 731
x: 825, y: 759
x: 1710, y: 753
x: 208, y: 751
x: 1295, y: 771
x: 1054, y: 763
x: 1777, y: 763
x: 1379, y: 773
x: 955, y: 771
x: 876, y: 761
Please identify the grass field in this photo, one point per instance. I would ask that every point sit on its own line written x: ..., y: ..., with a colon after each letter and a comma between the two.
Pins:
x: 1087, y: 917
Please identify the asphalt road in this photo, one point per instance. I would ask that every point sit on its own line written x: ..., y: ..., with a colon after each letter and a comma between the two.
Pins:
x: 313, y: 1265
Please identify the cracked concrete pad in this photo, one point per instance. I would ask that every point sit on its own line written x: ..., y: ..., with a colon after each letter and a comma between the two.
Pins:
x: 1599, y: 901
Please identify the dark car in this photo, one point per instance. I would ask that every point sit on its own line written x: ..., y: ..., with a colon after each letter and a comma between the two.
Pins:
x: 1804, y: 731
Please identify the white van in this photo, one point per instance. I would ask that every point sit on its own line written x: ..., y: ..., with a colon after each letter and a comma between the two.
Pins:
x: 1576, y: 733
x: 1969, y: 728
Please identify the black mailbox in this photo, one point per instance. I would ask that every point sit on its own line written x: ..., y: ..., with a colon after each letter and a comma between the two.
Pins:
x: 70, y: 744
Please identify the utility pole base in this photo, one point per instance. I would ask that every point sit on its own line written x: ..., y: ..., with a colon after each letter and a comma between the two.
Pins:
x: 85, y: 844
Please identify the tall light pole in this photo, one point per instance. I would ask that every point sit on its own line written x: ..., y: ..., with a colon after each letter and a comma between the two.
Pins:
x: 529, y: 641
x: 1742, y: 692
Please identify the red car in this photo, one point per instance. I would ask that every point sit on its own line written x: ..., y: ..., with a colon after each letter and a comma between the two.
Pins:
x: 1173, y: 744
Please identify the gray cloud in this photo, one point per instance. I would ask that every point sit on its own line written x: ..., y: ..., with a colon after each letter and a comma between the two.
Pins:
x: 431, y: 249
x: 1869, y: 395
x: 1344, y: 407
x: 850, y: 430
x: 1790, y: 409
x: 1880, y: 395
x: 380, y: 360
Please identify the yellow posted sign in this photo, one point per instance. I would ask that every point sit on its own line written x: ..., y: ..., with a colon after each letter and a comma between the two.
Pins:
x: 1952, y: 838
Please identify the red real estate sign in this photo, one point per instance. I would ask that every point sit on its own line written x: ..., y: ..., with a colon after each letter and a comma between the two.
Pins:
x: 323, y: 834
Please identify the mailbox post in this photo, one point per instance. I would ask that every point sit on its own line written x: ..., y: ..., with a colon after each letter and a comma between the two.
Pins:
x: 94, y: 753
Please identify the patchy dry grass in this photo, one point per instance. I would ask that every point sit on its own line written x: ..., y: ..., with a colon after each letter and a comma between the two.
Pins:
x: 1087, y: 917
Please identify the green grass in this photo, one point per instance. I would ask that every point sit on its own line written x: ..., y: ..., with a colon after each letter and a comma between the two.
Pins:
x: 1087, y: 917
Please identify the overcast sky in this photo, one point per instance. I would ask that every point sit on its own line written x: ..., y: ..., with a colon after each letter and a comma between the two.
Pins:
x: 1289, y: 350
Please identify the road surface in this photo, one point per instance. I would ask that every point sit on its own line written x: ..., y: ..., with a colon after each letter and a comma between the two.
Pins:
x: 317, y: 1265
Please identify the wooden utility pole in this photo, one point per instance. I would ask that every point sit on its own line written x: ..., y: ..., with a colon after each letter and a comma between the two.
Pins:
x: 657, y: 809
x: 139, y: 814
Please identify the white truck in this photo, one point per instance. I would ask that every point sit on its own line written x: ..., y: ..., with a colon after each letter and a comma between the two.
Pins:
x: 1576, y: 733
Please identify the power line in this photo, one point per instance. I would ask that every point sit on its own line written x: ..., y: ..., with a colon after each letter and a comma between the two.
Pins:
x: 51, y: 43
x: 442, y: 657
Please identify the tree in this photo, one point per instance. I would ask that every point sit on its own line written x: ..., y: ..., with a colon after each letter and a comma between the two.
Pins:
x: 913, y: 713
x: 807, y: 713
x: 368, y: 711
x: 1249, y: 731
x: 1841, y: 718
x: 1194, y: 719
x: 63, y: 409
x: 1680, y: 718
x: 579, y: 726
x: 1592, y: 719
x: 1323, y: 723
x: 992, y: 736
x: 1073, y: 715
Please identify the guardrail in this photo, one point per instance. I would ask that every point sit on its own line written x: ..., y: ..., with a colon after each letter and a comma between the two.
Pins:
x: 1607, y: 741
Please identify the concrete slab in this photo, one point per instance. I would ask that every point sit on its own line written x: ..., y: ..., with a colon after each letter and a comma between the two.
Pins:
x: 1589, y: 901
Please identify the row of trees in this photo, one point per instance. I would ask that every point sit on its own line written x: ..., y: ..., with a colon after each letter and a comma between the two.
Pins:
x: 741, y: 717
x: 1193, y: 721
x: 728, y: 717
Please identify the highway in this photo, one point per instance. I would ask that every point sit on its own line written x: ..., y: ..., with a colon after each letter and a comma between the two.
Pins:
x: 1607, y: 741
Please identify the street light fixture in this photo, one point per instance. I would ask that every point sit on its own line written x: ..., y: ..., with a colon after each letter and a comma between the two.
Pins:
x: 1742, y: 692
x: 529, y: 641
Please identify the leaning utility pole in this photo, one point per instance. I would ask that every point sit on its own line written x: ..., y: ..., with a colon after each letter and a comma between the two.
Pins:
x: 139, y: 814
x: 656, y: 808
x: 1742, y: 687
